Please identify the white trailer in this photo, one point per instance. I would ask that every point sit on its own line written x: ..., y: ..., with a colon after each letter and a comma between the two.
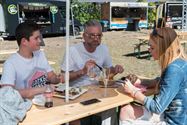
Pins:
x: 121, y: 15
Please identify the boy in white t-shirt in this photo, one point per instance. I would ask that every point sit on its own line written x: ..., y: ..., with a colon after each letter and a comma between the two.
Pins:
x: 28, y: 69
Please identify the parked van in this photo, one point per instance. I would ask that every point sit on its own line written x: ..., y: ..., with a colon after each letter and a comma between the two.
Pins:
x: 169, y: 14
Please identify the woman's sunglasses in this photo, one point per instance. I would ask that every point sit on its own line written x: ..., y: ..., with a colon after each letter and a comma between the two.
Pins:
x: 155, y: 33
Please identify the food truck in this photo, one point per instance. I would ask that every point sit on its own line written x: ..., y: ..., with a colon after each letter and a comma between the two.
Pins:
x: 49, y: 14
x: 170, y: 13
x: 123, y: 15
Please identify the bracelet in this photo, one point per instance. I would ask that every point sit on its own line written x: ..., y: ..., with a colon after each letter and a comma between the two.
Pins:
x: 135, y: 91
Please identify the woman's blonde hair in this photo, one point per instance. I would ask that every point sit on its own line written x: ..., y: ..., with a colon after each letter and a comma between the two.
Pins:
x: 168, y: 46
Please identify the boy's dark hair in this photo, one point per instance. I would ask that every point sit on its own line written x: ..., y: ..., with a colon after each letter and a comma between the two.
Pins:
x: 25, y: 30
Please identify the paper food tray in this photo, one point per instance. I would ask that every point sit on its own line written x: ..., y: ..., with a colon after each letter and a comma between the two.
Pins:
x: 60, y: 91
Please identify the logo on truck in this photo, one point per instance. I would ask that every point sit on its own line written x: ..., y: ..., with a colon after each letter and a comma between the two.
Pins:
x: 53, y: 9
x: 12, y: 9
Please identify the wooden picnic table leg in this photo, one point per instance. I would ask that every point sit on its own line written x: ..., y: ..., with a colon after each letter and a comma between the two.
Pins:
x: 184, y: 47
x: 137, y: 50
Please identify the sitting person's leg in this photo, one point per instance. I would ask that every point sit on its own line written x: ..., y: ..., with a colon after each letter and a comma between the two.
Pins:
x: 131, y: 112
x: 135, y: 115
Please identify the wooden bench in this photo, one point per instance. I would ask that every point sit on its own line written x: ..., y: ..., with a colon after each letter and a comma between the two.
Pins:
x: 1, y: 38
x: 11, y: 51
x: 4, y: 52
x: 183, y: 41
x: 50, y: 62
x: 1, y: 70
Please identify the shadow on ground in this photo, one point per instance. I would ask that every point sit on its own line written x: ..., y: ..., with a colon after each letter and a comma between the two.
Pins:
x: 141, y: 55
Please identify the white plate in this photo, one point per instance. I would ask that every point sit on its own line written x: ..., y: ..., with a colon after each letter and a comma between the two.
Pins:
x: 61, y: 88
x: 39, y: 100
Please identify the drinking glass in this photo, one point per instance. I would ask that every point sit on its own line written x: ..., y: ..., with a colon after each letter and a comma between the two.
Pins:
x: 93, y: 73
x: 106, y: 73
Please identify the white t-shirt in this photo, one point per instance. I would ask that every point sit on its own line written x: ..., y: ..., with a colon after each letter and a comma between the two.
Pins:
x: 78, y: 56
x: 26, y: 73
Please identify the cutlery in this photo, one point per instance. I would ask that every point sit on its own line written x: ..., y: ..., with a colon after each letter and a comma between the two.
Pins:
x: 99, y: 67
x: 109, y: 87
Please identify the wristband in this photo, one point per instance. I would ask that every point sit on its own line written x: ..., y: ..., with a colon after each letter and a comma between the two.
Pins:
x: 134, y: 92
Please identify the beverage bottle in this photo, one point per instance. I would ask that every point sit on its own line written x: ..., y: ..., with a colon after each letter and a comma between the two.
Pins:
x: 48, y: 95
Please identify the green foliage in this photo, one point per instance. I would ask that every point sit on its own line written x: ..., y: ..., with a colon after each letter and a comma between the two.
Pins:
x: 84, y: 11
x: 141, y: 0
x: 152, y: 13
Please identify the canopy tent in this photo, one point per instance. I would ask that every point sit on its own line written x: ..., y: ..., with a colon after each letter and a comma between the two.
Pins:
x: 67, y: 50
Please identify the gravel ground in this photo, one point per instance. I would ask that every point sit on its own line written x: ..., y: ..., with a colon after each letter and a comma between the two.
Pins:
x: 120, y: 43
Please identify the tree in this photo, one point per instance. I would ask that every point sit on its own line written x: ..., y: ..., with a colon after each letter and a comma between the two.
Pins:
x: 84, y: 11
x: 151, y: 11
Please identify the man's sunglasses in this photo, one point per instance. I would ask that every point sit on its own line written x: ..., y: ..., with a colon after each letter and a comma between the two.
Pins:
x: 155, y: 33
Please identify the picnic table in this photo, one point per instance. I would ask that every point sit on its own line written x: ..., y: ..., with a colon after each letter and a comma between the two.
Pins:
x: 143, y: 40
x: 63, y: 112
x: 4, y: 52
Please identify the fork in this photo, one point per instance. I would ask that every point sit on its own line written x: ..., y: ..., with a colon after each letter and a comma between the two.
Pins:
x: 100, y: 68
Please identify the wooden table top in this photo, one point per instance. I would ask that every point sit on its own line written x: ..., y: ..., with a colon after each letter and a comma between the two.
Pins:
x: 63, y: 112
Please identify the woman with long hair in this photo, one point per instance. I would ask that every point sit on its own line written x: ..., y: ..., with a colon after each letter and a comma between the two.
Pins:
x: 170, y: 101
